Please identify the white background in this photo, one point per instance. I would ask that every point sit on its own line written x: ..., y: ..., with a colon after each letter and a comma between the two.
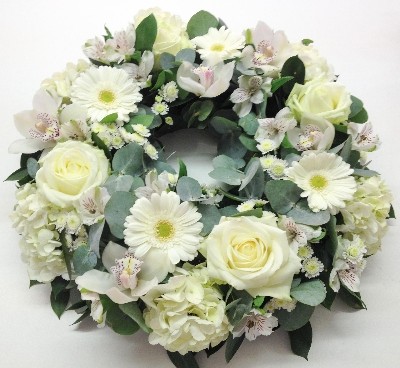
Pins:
x: 360, y: 38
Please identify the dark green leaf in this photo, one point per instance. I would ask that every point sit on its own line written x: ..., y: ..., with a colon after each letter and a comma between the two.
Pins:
x: 210, y: 217
x: 361, y: 117
x: 214, y: 349
x: 34, y: 282
x: 18, y: 175
x: 282, y: 195
x: 391, y: 214
x: 295, y: 319
x: 188, y: 189
x: 66, y: 253
x: 133, y: 311
x: 116, y: 211
x: 329, y: 299
x: 58, y: 285
x: 83, y: 259
x: 182, y: 169
x: 249, y: 123
x: 295, y: 68
x: 109, y: 119
x: 236, y: 314
x: 230, y: 145
x: 120, y: 322
x: 332, y: 234
x: 278, y: 83
x: 351, y: 298
x: 78, y: 305
x: 355, y: 107
x: 146, y: 33
x: 59, y: 303
x: 32, y: 166
x: 200, y: 23
x: 302, y: 214
x: 129, y: 160
x: 310, y: 292
x: 223, y: 125
x: 183, y: 361
x: 100, y: 144
x: 145, y: 120
x: 162, y: 79
x: 82, y: 317
x: 300, y: 340
x: 205, y: 110
x: 232, y: 346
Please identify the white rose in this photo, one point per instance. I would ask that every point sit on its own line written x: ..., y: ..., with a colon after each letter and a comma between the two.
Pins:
x: 252, y: 254
x: 70, y: 169
x: 328, y: 100
x: 171, y: 31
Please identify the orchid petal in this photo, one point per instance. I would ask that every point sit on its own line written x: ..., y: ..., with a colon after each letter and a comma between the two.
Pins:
x: 43, y: 102
x: 29, y: 145
x: 25, y: 121
x: 73, y: 112
x: 112, y: 252
x: 119, y: 297
x: 97, y: 281
x: 187, y: 80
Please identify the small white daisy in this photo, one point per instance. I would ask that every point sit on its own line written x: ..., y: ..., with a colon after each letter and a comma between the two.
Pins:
x: 267, y: 161
x: 277, y: 169
x: 219, y: 45
x: 305, y: 252
x: 312, y: 267
x: 354, y: 250
x: 326, y: 180
x: 104, y: 91
x: 276, y: 304
x: 150, y: 151
x: 169, y: 91
x: 160, y: 108
x: 162, y: 231
x: 246, y: 206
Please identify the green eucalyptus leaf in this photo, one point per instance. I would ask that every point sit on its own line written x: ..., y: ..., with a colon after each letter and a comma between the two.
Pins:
x: 232, y: 346
x: 32, y: 166
x: 295, y: 319
x: 83, y: 259
x: 19, y: 174
x: 183, y: 361
x: 302, y: 214
x: 251, y: 170
x: 228, y: 162
x: 249, y: 123
x: 210, y: 216
x: 129, y: 160
x: 355, y: 107
x: 227, y: 175
x: 146, y: 33
x: 309, y: 293
x: 116, y: 210
x: 257, y: 212
x: 282, y: 195
x: 94, y: 237
x: 346, y: 150
x: 118, y: 183
x: 365, y: 173
x: 248, y: 142
x: 145, y: 120
x: 133, y: 311
x: 205, y: 110
x: 186, y: 55
x: 200, y: 23
x: 300, y: 340
x: 223, y: 125
x: 360, y: 118
x: 167, y: 61
x: 188, y: 189
x: 230, y: 145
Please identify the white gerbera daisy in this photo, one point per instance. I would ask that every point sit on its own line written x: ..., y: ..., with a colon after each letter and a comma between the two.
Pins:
x: 161, y: 232
x: 104, y: 91
x: 326, y: 180
x: 219, y: 45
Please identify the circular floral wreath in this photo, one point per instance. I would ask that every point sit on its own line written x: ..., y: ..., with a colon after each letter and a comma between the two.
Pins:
x: 282, y: 222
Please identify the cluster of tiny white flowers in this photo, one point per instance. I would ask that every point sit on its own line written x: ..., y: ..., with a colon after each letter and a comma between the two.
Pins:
x: 276, y: 304
x: 110, y: 134
x: 251, y: 204
x: 166, y: 94
x: 274, y: 166
x: 140, y: 136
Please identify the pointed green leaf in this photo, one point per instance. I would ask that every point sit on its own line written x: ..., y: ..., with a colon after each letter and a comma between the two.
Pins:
x: 232, y: 346
x: 109, y: 119
x: 19, y: 174
x: 120, y: 322
x: 295, y: 68
x: 200, y: 23
x: 300, y: 340
x: 146, y: 33
x: 183, y: 361
x: 133, y: 311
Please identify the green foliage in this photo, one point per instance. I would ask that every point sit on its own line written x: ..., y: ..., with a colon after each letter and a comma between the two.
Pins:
x: 66, y: 253
x: 282, y: 195
x: 188, y: 189
x: 249, y: 123
x: 83, y: 259
x: 59, y: 296
x: 18, y: 175
x: 331, y: 232
x: 164, y: 77
x: 182, y: 169
x: 360, y: 118
x: 183, y: 361
x: 188, y: 55
x: 133, y: 311
x: 118, y: 183
x: 241, y: 307
x: 309, y: 293
x: 257, y: 212
x: 206, y: 107
x: 210, y: 216
x: 302, y: 214
x: 100, y: 144
x: 227, y: 175
x: 248, y: 142
x: 228, y: 162
x: 94, y: 237
x: 301, y: 340
x: 365, y: 173
x: 223, y: 125
x: 34, y: 282
x: 32, y: 166
x: 278, y: 83
x: 296, y: 319
x: 116, y: 211
x: 109, y: 119
x: 306, y: 41
x: 252, y: 168
x: 120, y: 322
x: 232, y: 346
x: 145, y: 120
x: 146, y: 33
x: 230, y: 145
x: 200, y: 23
x: 167, y: 61
x: 129, y: 160
x: 258, y: 301
x: 356, y: 107
x: 293, y: 67
x: 351, y: 298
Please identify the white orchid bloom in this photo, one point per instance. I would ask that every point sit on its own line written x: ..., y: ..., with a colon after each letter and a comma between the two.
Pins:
x: 315, y: 134
x: 122, y: 283
x: 271, y: 50
x: 251, y: 91
x: 39, y: 126
x: 205, y: 81
x: 141, y: 72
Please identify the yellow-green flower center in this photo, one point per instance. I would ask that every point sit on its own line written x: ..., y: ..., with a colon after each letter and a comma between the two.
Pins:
x: 217, y: 47
x: 318, y: 182
x: 164, y: 230
x: 107, y: 96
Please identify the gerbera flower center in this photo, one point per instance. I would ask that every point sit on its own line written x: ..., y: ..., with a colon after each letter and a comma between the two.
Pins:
x: 318, y: 182
x: 217, y: 47
x: 164, y: 230
x: 107, y: 96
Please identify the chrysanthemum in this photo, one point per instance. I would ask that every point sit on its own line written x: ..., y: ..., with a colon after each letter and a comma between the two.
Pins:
x: 161, y: 231
x: 326, y: 180
x: 219, y: 45
x: 104, y: 91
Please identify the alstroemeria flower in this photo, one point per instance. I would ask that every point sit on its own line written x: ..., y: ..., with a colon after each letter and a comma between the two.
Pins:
x: 39, y: 126
x: 363, y: 139
x: 141, y: 73
x: 205, y: 81
x: 255, y: 324
x: 122, y: 283
x: 314, y: 134
x: 271, y: 50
